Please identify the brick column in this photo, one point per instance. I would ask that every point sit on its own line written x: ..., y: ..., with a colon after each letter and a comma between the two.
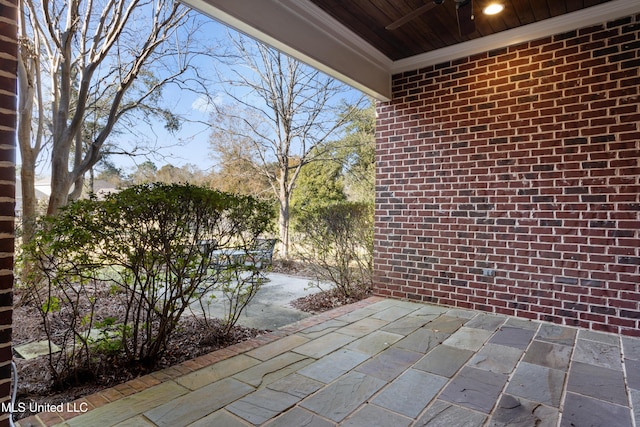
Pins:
x: 8, y: 121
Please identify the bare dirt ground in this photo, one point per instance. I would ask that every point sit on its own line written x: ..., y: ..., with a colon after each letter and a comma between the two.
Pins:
x: 189, y: 341
x: 317, y: 302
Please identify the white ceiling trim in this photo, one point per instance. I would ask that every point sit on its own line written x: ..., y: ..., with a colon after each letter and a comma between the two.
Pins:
x: 327, y: 23
x: 304, y: 31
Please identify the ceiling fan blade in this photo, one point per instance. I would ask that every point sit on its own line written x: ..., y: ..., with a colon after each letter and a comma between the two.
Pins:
x: 412, y: 15
x: 464, y: 10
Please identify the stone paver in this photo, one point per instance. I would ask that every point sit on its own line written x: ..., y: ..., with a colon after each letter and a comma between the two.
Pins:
x: 557, y: 334
x: 596, y: 381
x: 410, y: 393
x: 276, y: 348
x: 598, y: 353
x: 635, y: 402
x: 218, y: 371
x: 537, y: 383
x: 36, y: 349
x: 130, y: 406
x: 198, y: 404
x: 428, y: 310
x: 486, y: 321
x: 631, y: 348
x: 518, y: 412
x: 323, y: 328
x: 324, y: 345
x: 138, y: 421
x: 406, y: 325
x: 390, y: 363
x: 444, y: 414
x: 584, y: 411
x: 584, y: 334
x: 391, y: 302
x: 296, y: 385
x: 262, y: 405
x: 554, y: 356
x: 496, y: 358
x: 422, y: 340
x: 334, y: 365
x: 444, y: 360
x: 219, y: 418
x: 354, y: 316
x: 468, y: 338
x: 374, y: 343
x: 516, y: 322
x: 446, y: 323
x: 475, y: 389
x: 344, y: 396
x: 370, y: 415
x: 633, y: 373
x: 363, y: 327
x: 458, y: 312
x: 273, y: 369
x: 298, y: 417
x: 513, y: 337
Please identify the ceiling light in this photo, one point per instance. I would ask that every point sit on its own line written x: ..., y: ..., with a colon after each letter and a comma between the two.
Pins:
x: 493, y: 8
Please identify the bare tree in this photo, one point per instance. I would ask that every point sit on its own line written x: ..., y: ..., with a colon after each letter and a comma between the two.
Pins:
x: 234, y: 153
x: 189, y: 173
x: 284, y: 109
x: 31, y: 133
x: 109, y: 59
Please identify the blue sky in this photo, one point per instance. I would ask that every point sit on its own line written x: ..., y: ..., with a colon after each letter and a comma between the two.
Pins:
x: 190, y: 145
x: 193, y: 138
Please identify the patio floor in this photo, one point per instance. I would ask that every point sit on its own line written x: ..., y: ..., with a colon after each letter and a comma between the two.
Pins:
x: 383, y: 362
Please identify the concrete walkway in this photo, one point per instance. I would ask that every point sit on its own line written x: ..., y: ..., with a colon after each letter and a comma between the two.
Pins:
x: 271, y: 307
x: 385, y: 362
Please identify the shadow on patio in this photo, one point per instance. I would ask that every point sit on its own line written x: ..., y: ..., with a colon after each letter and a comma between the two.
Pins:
x: 383, y: 362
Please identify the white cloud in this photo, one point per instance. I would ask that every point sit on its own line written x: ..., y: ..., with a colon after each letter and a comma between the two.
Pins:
x: 205, y: 105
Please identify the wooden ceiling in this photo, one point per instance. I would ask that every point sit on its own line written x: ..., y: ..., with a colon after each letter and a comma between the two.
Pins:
x: 349, y: 39
x: 437, y: 28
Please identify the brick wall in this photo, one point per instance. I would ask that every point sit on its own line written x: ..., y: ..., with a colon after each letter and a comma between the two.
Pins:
x: 8, y: 88
x: 510, y: 181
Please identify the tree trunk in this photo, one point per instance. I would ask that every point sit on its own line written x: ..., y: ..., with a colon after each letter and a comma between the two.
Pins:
x: 79, y: 181
x: 28, y: 84
x: 29, y: 199
x: 60, y: 183
x: 283, y: 220
x: 28, y: 155
x: 283, y: 226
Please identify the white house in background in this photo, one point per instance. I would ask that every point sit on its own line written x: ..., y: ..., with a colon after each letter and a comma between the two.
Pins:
x: 43, y: 186
x: 102, y: 188
x: 43, y: 190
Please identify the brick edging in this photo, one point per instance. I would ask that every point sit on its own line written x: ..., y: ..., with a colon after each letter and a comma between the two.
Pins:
x: 152, y: 379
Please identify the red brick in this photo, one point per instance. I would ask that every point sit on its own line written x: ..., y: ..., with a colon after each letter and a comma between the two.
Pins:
x: 552, y: 152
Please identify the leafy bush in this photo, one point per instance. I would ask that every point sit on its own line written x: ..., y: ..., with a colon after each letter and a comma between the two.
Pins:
x: 337, y: 241
x: 146, y: 246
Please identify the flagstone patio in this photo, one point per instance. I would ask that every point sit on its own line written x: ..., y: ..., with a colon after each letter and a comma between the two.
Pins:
x: 384, y: 362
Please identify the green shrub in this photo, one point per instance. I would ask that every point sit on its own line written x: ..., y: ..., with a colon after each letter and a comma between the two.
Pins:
x: 142, y: 245
x: 337, y: 241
